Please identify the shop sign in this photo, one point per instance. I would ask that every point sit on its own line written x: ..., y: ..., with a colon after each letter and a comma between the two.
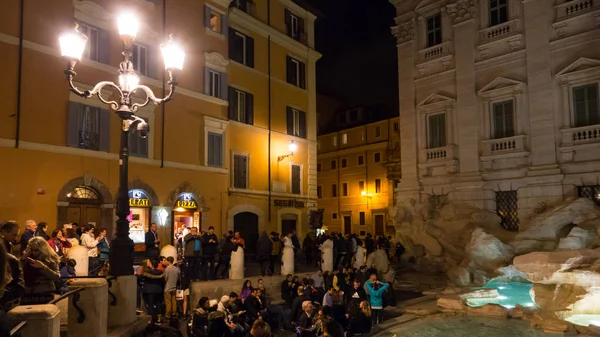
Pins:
x: 187, y: 201
x: 288, y: 203
x: 138, y: 198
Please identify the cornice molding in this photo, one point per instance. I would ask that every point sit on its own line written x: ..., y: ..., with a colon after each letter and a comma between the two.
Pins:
x: 433, y: 78
x: 216, y: 61
x: 461, y: 11
x: 501, y: 60
x: 571, y: 41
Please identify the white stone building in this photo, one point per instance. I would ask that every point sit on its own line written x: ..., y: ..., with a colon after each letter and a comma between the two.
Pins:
x: 499, y: 101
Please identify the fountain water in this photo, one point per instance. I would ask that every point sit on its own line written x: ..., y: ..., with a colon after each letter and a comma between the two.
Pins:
x: 509, y: 295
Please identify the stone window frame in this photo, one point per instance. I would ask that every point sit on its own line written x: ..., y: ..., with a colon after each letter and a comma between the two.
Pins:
x: 217, y: 126
x: 445, y: 105
x: 427, y: 11
x: 574, y: 75
x: 514, y: 11
x: 508, y: 90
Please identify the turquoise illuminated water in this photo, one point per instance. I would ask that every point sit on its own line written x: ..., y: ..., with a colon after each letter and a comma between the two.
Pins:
x: 510, y: 294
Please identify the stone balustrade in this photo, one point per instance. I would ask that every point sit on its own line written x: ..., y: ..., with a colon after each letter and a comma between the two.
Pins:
x: 439, y: 154
x: 499, y: 31
x: 42, y: 320
x: 581, y: 135
x: 431, y: 53
x: 503, y: 145
x: 574, y: 8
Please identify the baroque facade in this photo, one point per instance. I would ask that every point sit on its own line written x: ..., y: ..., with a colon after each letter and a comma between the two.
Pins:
x: 247, y: 90
x: 499, y: 102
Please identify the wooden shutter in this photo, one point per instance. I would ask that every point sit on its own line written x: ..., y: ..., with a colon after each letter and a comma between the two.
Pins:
x: 224, y: 87
x: 224, y: 25
x: 231, y: 43
x: 210, y: 149
x: 104, y: 130
x: 302, y: 121
x: 233, y: 103
x: 207, y: 15
x: 207, y: 80
x: 288, y: 22
x: 249, y: 108
x: 218, y: 149
x: 240, y: 166
x: 290, y: 120
x: 103, y: 46
x: 249, y: 52
x: 301, y: 33
x: 295, y: 179
x: 155, y: 65
x: 290, y: 72
x: 302, y: 71
x: 73, y: 124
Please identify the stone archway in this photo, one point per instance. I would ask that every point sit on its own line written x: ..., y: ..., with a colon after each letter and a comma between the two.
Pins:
x: 185, y: 187
x: 246, y: 208
x: 141, y: 185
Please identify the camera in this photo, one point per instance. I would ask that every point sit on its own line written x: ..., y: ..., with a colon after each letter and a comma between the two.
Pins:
x: 143, y: 129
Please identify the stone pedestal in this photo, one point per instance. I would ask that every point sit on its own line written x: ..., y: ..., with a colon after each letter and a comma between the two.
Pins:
x: 359, y: 257
x: 125, y: 289
x: 287, y: 266
x: 169, y: 250
x: 94, y: 303
x: 80, y: 255
x: 327, y: 256
x: 42, y: 320
x: 237, y: 264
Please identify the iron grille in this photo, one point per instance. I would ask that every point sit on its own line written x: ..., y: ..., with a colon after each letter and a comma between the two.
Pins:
x: 589, y: 192
x: 507, y: 209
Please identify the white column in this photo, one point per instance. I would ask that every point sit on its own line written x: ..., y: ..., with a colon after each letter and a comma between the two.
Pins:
x: 80, y: 255
x: 327, y: 256
x: 566, y: 106
x: 287, y: 266
x: 237, y: 265
x: 42, y: 320
x: 125, y: 290
x: 94, y: 303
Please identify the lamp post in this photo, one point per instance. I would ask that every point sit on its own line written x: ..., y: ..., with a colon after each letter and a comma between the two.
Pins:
x: 72, y: 45
x: 292, y: 147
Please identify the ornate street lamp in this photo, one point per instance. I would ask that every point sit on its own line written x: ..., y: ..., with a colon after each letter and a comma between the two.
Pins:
x: 72, y: 45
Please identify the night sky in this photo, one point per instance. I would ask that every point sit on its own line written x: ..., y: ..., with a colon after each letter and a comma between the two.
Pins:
x: 359, y: 65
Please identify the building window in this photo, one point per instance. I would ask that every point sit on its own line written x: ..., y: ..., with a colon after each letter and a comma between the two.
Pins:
x: 334, y: 140
x: 319, y: 192
x: 296, y: 72
x: 436, y: 130
x: 214, y: 21
x: 240, y: 171
x: 377, y: 131
x: 138, y: 145
x: 294, y: 26
x: 344, y: 189
x: 344, y: 162
x: 434, y: 30
x: 333, y: 164
x: 498, y: 12
x: 377, y: 185
x: 318, y: 167
x: 503, y: 119
x: 345, y: 138
x: 361, y: 160
x: 296, y: 122
x: 333, y: 216
x: 241, y: 48
x: 585, y: 105
x: 98, y: 45
x: 376, y: 157
x: 215, y: 149
x: 215, y: 84
x: 361, y: 186
x: 241, y: 106
x: 88, y: 127
x: 362, y: 218
x: 396, y: 127
x: 334, y: 191
x: 139, y: 57
x: 296, y: 179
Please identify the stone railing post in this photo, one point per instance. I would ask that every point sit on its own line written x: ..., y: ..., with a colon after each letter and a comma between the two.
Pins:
x: 93, y: 302
x: 42, y: 320
x: 80, y: 255
x: 287, y: 261
x: 327, y: 256
x: 124, y: 288
x: 169, y: 250
x: 237, y: 264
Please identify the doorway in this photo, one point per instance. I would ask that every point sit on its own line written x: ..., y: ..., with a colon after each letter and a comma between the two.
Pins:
x: 379, y: 224
x: 84, y: 207
x: 347, y: 224
x: 288, y: 223
x: 247, y: 224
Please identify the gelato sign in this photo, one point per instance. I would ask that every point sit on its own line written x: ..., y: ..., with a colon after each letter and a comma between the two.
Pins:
x: 138, y: 198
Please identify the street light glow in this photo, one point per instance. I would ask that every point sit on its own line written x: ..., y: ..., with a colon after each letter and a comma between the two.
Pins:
x: 128, y: 24
x: 128, y: 81
x: 363, y: 193
x: 292, y: 147
x: 72, y: 44
x: 173, y: 54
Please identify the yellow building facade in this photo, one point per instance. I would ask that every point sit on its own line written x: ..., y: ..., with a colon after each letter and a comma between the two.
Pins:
x: 358, y: 169
x: 211, y: 159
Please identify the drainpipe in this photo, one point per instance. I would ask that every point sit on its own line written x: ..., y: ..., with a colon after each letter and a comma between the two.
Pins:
x: 164, y: 93
x: 20, y: 74
x: 269, y: 108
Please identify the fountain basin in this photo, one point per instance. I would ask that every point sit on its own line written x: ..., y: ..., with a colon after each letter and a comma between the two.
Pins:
x: 509, y: 295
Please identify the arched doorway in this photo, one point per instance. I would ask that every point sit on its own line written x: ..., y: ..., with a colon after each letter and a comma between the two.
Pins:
x: 289, y: 223
x: 84, y: 206
x: 247, y: 224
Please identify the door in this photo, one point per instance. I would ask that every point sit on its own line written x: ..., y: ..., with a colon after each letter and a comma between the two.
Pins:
x: 84, y: 214
x: 288, y: 223
x: 347, y: 224
x: 379, y: 224
x: 247, y: 224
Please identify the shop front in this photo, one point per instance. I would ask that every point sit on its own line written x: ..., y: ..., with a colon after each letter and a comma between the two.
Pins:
x: 186, y: 214
x: 139, y: 217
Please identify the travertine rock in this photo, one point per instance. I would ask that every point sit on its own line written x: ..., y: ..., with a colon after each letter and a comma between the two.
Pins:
x: 488, y: 252
x: 451, y: 303
x: 489, y: 310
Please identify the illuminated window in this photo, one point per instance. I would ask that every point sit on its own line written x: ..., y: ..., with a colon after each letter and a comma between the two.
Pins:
x: 83, y: 193
x: 215, y: 23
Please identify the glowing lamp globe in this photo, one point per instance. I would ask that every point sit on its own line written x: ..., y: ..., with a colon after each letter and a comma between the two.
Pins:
x: 292, y: 147
x: 173, y: 55
x: 72, y: 44
x: 128, y: 81
x: 128, y: 24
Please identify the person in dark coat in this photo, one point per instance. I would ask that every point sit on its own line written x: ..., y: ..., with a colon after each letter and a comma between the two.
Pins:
x: 340, y: 247
x: 192, y: 253
x: 209, y: 250
x: 264, y: 247
x: 308, y: 249
x: 30, y: 228
x: 369, y: 244
x: 356, y: 294
x: 226, y: 250
x: 255, y: 308
x: 153, y: 289
x: 297, y: 304
x: 305, y: 322
x: 286, y: 290
x: 152, y: 242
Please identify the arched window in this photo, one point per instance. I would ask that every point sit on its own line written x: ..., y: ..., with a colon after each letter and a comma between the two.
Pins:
x: 84, y: 194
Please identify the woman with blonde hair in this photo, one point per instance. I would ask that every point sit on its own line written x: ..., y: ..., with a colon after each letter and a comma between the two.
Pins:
x: 40, y: 271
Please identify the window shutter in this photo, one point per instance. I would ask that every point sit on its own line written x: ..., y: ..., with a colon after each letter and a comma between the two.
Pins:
x: 302, y: 120
x: 231, y: 43
x: 104, y: 118
x: 288, y: 22
x: 207, y: 15
x: 249, y: 109
x: 218, y: 150
x: 233, y: 103
x: 290, y: 120
x: 73, y: 124
x: 295, y: 179
x: 207, y: 80
x: 442, y: 129
x: 509, y: 119
x: 249, y: 52
x: 302, y: 72
x: 224, y: 25
x: 301, y: 33
x: 209, y: 148
x: 103, y: 46
x: 289, y: 69
x: 224, y: 87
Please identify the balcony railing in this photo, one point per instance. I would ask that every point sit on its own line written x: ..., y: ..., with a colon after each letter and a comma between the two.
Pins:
x: 574, y: 8
x: 499, y: 31
x: 503, y: 145
x: 581, y: 135
x: 434, y: 52
x: 439, y: 154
